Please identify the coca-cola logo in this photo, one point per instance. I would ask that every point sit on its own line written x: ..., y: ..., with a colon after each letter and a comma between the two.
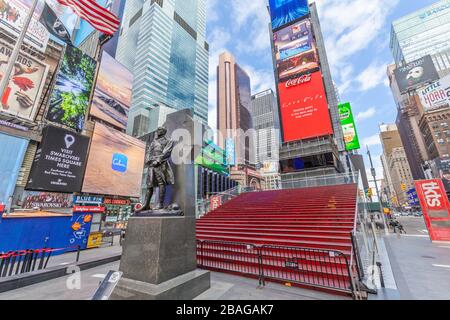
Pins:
x: 297, y: 81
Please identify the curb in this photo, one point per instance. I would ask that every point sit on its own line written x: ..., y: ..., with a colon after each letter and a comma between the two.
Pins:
x: 28, y: 279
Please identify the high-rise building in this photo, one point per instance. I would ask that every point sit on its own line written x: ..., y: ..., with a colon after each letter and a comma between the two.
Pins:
x: 421, y: 33
x: 395, y: 163
x: 234, y: 121
x: 163, y: 44
x: 313, y: 140
x: 264, y: 110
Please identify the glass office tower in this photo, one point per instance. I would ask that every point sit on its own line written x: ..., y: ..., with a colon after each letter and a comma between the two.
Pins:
x: 163, y: 43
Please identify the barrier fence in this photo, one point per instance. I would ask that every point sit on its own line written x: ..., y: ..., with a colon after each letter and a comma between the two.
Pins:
x: 290, y: 265
x: 24, y: 261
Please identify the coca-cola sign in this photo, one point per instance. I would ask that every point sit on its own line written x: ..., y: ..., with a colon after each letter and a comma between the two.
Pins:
x: 297, y: 81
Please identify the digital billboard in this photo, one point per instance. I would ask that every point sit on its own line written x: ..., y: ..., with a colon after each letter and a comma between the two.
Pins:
x: 435, y: 95
x: 59, y: 162
x: 349, y: 127
x: 305, y: 62
x: 304, y: 108
x: 70, y: 98
x: 112, y: 95
x: 115, y: 165
x: 47, y: 200
x: 13, y: 15
x: 435, y: 206
x: 22, y: 95
x: 283, y: 12
x: 416, y: 74
x: 293, y: 40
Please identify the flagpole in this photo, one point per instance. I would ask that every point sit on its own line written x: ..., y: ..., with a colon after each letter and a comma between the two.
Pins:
x: 15, y: 54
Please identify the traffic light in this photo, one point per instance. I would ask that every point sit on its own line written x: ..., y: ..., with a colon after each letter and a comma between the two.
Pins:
x: 370, y: 193
x: 404, y: 187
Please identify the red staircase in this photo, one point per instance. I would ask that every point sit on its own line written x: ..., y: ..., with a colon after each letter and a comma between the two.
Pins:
x: 305, y: 235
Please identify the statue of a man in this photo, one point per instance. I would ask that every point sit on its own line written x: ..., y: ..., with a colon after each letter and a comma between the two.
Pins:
x: 160, y: 173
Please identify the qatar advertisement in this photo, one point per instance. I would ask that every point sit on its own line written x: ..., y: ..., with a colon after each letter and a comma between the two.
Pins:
x: 283, y: 12
x: 22, y: 95
x: 74, y: 82
x: 435, y: 206
x: 115, y: 164
x: 293, y: 40
x: 304, y: 108
x: 112, y: 95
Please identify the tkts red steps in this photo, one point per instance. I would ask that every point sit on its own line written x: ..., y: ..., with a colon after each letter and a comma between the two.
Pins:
x: 317, y: 222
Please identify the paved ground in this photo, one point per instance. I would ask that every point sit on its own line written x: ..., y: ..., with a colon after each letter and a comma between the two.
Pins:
x: 223, y: 287
x: 421, y: 268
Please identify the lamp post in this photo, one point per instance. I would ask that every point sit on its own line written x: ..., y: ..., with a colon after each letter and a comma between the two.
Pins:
x: 374, y: 174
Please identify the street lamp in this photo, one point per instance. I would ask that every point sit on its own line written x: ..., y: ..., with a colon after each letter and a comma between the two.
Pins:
x: 374, y: 174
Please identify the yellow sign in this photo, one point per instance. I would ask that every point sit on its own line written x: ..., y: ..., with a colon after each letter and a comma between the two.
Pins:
x: 404, y: 187
x: 95, y: 240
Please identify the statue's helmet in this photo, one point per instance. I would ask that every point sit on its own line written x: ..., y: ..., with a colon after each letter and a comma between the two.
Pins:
x: 161, y: 130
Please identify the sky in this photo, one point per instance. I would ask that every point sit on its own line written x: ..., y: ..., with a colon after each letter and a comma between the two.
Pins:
x: 357, y: 35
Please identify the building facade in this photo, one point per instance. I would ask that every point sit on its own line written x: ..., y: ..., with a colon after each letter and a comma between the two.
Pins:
x: 163, y: 43
x: 324, y: 154
x: 395, y: 164
x: 421, y: 33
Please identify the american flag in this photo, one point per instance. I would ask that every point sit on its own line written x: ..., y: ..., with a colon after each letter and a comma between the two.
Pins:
x: 99, y: 17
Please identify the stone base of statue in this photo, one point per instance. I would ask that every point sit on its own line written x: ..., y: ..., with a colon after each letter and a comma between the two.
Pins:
x: 159, y: 213
x: 159, y: 261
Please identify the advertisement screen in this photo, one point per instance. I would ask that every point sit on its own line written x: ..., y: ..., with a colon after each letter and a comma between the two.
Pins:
x: 70, y: 98
x: 435, y: 95
x: 435, y: 207
x: 47, y: 200
x: 304, y: 108
x: 13, y: 15
x: 230, y: 150
x: 115, y: 164
x: 283, y: 12
x: 306, y: 62
x: 416, y: 74
x: 293, y: 40
x: 22, y: 96
x: 59, y: 162
x: 349, y: 127
x: 112, y: 95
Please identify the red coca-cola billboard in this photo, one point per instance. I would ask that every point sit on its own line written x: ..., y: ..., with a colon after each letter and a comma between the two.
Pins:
x: 304, y: 108
x: 436, y: 208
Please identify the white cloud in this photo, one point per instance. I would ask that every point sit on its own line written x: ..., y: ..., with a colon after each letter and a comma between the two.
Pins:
x: 364, y: 115
x: 372, y: 141
x: 373, y: 76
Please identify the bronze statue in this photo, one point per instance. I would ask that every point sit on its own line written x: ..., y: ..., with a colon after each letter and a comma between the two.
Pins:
x: 160, y: 173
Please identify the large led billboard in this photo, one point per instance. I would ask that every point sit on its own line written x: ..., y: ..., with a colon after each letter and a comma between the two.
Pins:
x: 22, y: 95
x: 112, y: 95
x: 283, y: 12
x: 416, y: 74
x: 293, y: 40
x: 349, y: 127
x: 115, y: 165
x: 302, y: 63
x: 304, y: 108
x: 59, y: 162
x: 70, y: 98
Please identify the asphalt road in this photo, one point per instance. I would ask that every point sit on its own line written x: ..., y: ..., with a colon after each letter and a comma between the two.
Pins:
x: 414, y: 225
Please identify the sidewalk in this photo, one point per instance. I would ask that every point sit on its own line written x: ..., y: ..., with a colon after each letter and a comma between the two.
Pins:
x: 85, y: 255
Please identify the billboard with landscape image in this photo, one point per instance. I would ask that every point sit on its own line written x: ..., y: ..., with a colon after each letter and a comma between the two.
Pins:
x: 70, y: 98
x: 112, y: 96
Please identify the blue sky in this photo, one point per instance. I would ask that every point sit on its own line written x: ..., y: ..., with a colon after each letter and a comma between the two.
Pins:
x: 357, y: 34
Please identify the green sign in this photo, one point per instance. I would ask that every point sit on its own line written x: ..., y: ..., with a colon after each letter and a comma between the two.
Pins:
x: 348, y: 126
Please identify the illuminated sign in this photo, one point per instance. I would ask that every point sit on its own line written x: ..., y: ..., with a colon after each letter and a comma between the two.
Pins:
x: 283, y: 12
x: 349, y: 127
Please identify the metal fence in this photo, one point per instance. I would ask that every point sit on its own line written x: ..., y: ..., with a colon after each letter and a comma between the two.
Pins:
x: 317, y: 268
x: 19, y: 262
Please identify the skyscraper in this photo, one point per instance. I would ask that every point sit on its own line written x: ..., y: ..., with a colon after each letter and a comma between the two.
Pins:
x: 163, y: 43
x: 421, y: 33
x: 234, y: 121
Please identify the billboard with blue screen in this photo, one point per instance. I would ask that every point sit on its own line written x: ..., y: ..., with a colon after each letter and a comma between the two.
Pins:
x: 283, y: 12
